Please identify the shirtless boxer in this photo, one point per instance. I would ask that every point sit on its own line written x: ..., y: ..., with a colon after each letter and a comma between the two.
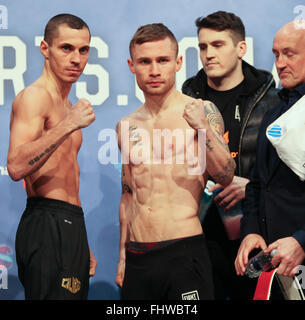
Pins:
x: 162, y: 248
x: 53, y: 257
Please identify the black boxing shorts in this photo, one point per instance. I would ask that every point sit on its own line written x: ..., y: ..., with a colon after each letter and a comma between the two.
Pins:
x: 177, y: 269
x: 52, y: 250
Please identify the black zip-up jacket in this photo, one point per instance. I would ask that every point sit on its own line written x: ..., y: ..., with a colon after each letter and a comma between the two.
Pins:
x: 258, y: 96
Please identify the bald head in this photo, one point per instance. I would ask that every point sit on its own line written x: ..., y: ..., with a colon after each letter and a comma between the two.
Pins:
x: 293, y: 28
x: 289, y: 51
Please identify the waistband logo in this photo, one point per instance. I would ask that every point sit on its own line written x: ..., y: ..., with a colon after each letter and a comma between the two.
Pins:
x: 192, y: 295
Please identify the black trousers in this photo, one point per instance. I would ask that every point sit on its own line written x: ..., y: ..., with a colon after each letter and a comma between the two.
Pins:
x: 222, y: 251
x: 179, y: 271
x: 52, y: 250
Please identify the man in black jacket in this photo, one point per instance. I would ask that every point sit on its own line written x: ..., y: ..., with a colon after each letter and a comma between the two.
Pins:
x: 242, y: 94
x: 275, y: 202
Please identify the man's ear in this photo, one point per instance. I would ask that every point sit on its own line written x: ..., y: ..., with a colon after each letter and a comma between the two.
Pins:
x: 131, y: 65
x: 242, y: 48
x: 179, y: 61
x: 44, y: 49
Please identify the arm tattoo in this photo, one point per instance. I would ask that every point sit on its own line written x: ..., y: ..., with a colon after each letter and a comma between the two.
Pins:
x: 228, y: 169
x: 134, y: 134
x: 208, y: 145
x: 213, y: 116
x: 215, y: 120
x: 125, y: 187
x: 37, y: 158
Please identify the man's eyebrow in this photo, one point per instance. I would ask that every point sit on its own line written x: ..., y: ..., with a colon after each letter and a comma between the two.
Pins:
x: 212, y: 42
x: 143, y: 58
x: 163, y: 57
x: 63, y: 44
x: 67, y: 44
x: 218, y: 41
x: 283, y: 49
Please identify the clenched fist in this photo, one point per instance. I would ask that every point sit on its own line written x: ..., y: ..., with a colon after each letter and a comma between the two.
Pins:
x: 81, y: 114
x: 195, y: 116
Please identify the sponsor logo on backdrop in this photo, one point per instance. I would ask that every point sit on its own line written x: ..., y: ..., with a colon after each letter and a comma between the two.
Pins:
x: 299, y: 20
x: 6, y: 256
x: 3, y: 171
x: 6, y: 262
x: 3, y: 17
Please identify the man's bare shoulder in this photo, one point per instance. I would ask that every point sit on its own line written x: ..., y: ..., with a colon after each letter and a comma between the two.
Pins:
x: 186, y: 98
x: 135, y: 116
x: 34, y: 99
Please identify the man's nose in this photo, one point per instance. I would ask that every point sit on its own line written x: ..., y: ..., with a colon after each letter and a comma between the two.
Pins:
x: 210, y: 52
x: 75, y: 57
x: 154, y: 69
x: 280, y: 62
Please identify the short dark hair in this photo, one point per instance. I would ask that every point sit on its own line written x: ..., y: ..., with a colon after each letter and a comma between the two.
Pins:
x: 152, y: 32
x: 51, y: 29
x: 222, y: 20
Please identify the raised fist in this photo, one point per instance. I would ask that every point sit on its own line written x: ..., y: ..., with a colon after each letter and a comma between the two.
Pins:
x: 194, y: 114
x: 81, y: 114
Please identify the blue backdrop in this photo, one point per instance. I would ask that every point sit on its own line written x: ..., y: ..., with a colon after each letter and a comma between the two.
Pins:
x: 111, y: 88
